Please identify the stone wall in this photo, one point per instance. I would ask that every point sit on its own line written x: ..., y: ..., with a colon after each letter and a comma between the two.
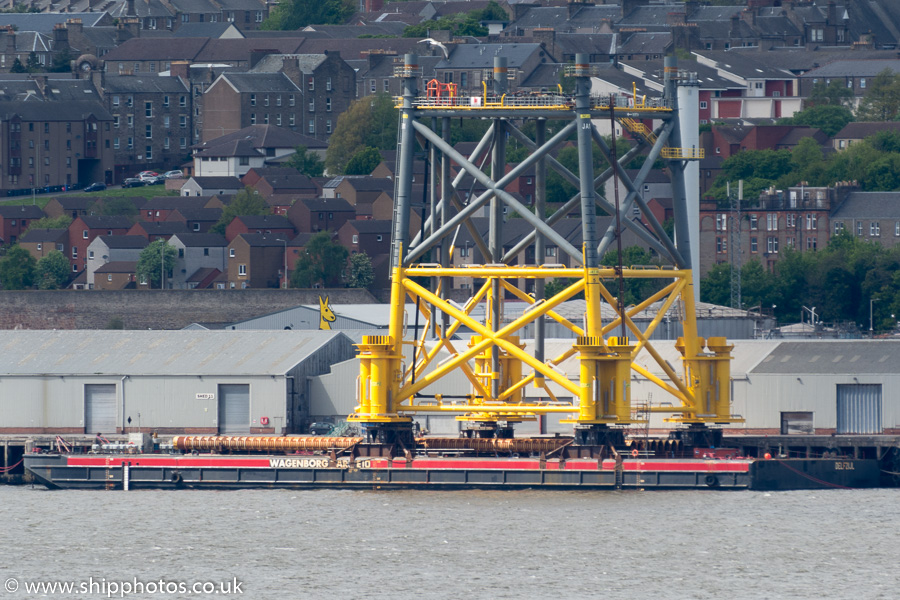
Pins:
x: 154, y: 309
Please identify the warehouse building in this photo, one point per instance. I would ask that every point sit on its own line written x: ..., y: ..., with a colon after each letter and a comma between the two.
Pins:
x: 205, y: 382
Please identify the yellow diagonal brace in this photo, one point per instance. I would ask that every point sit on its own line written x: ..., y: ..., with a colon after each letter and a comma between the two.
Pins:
x: 654, y: 379
x: 515, y: 387
x: 498, y: 337
x: 552, y: 314
x: 409, y: 391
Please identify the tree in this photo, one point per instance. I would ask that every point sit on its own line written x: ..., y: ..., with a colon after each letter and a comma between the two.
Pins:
x: 306, y: 162
x: 17, y: 269
x: 62, y: 62
x: 363, y: 162
x: 294, y: 14
x: 832, y: 93
x: 458, y: 24
x: 830, y: 118
x: 60, y: 222
x: 370, y: 121
x: 882, y: 100
x: 245, y: 202
x: 155, y: 258
x: 118, y: 206
x: 33, y: 64
x: 322, y: 263
x: 635, y: 289
x: 17, y: 67
x: 52, y: 272
x: 361, y: 274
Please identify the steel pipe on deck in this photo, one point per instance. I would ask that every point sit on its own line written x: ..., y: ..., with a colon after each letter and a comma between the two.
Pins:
x: 189, y: 443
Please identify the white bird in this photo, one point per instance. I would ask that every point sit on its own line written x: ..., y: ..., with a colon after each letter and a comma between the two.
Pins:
x: 433, y: 42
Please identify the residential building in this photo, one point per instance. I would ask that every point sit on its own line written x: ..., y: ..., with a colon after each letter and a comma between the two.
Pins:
x: 85, y: 229
x: 311, y: 215
x: 276, y: 225
x: 117, y: 249
x: 255, y: 260
x: 234, y: 154
x: 40, y: 242
x: 198, y: 255
x: 14, y: 220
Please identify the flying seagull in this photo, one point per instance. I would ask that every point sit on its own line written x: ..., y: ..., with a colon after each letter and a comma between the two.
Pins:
x: 433, y: 42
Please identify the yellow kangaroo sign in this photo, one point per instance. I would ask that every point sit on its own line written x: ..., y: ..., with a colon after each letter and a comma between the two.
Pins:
x: 326, y: 315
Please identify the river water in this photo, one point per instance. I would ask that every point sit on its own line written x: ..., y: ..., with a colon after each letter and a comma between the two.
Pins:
x: 466, y: 544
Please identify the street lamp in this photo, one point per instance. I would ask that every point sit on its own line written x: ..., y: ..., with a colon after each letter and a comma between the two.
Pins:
x: 284, y: 274
x: 871, y: 329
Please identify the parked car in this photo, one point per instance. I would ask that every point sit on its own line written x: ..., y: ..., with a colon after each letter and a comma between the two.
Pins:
x: 176, y: 174
x: 146, y: 176
x: 96, y: 187
x: 321, y: 428
x: 132, y: 182
x: 155, y: 180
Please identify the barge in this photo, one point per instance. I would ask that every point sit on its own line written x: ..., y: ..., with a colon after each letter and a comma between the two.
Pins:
x: 345, y: 463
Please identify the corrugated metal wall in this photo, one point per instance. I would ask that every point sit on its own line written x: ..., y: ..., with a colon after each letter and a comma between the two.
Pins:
x: 859, y: 408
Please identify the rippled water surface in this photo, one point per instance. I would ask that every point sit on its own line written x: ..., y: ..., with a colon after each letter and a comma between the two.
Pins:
x: 466, y: 544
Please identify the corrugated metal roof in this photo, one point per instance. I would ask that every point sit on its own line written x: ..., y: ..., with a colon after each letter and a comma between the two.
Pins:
x: 139, y: 353
x: 835, y: 357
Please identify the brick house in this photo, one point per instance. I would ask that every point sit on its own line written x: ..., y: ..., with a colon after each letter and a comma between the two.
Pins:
x: 73, y: 206
x: 276, y: 225
x: 196, y: 252
x: 872, y: 216
x: 311, y: 215
x: 15, y: 219
x: 255, y: 260
x: 198, y: 220
x: 117, y: 275
x: 154, y: 230
x: 85, y: 229
x: 160, y: 208
x: 40, y: 242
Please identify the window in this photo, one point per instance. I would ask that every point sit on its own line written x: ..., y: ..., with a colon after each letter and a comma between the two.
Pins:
x: 771, y: 222
x: 754, y: 222
x: 109, y: 276
x: 328, y: 126
x: 312, y: 105
x: 183, y: 143
x: 148, y: 153
x: 311, y: 83
x: 266, y: 119
x: 130, y: 122
x: 875, y: 229
x: 812, y: 221
x: 791, y: 220
x: 897, y: 228
x: 859, y: 228
x: 74, y: 251
x: 327, y: 104
x: 129, y: 101
x: 244, y: 161
x: 291, y: 120
x: 197, y: 228
x: 165, y: 102
x: 355, y: 238
x: 291, y: 100
x: 862, y: 83
x: 703, y: 105
x: 790, y: 242
x: 231, y: 252
x: 115, y: 100
x: 278, y: 100
x: 278, y: 119
x: 84, y: 234
x: 149, y: 132
x: 182, y: 121
x: 185, y: 18
x: 372, y: 86
x: 253, y: 118
x: 721, y: 222
x: 166, y: 143
x: 242, y: 269
x: 772, y: 245
x: 312, y: 125
x: 721, y: 245
x: 550, y: 251
x: 166, y: 122
x: 148, y: 110
x: 182, y: 101
x: 850, y: 82
x: 115, y: 143
x: 328, y: 84
x: 259, y: 16
x: 266, y: 100
x: 754, y: 247
x: 811, y: 243
x: 116, y: 121
x: 378, y: 238
x: 252, y: 99
x: 839, y: 227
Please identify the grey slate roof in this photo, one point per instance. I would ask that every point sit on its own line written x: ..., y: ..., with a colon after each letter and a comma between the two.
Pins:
x: 860, y: 130
x: 164, y: 227
x: 208, y: 30
x: 152, y: 49
x: 106, y: 222
x: 265, y: 221
x: 260, y: 82
x: 869, y: 205
x: 260, y: 240
x: 328, y: 204
x: 174, y: 202
x: 855, y: 68
x: 44, y: 22
x: 272, y: 63
x: 117, y: 266
x: 746, y: 65
x: 371, y: 225
x: 224, y: 182
x: 481, y: 56
x: 202, y: 240
x: 124, y: 242
x: 258, y: 136
x: 42, y: 235
x: 837, y: 357
x: 145, y: 83
x: 22, y: 211
x: 136, y: 353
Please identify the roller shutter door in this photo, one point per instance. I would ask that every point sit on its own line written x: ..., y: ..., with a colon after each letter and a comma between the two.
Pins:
x: 99, y: 408
x: 234, y: 409
x: 859, y: 408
